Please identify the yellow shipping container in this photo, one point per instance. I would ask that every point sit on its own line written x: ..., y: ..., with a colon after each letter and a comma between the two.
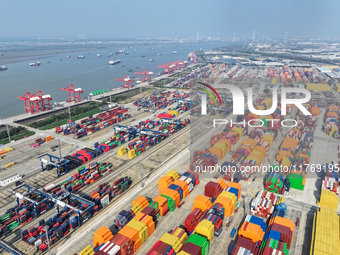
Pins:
x: 183, y: 253
x: 121, y: 151
x: 205, y: 228
x: 222, y: 146
x: 286, y: 162
x: 325, y: 233
x: 318, y: 86
x: 183, y: 237
x: 268, y: 138
x: 142, y: 229
x: 173, y: 174
x: 232, y: 196
x: 8, y: 149
x: 88, y: 250
x: 137, y: 208
x: 329, y: 199
x: 238, y: 130
x: 131, y: 154
x: 172, y: 240
x: 10, y: 164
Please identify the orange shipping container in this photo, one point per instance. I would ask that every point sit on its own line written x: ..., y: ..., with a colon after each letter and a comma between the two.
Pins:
x: 142, y: 201
x: 174, y: 195
x: 251, y: 231
x: 162, y: 201
x: 164, y: 182
x: 201, y: 202
x: 130, y: 233
x: 226, y: 203
x: 222, y: 183
x: 184, y: 186
x: 48, y: 138
x: 102, y: 235
x: 226, y: 143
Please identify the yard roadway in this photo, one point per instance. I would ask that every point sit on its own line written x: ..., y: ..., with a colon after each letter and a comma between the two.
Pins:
x: 32, y: 173
x: 15, y: 235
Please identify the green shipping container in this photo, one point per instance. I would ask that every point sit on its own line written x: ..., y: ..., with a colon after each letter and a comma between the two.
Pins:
x: 199, y: 241
x: 171, y: 203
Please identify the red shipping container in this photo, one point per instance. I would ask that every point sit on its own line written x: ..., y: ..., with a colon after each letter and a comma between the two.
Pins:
x: 192, y: 249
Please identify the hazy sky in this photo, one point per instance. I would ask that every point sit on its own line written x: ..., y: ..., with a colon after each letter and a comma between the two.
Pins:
x: 175, y: 18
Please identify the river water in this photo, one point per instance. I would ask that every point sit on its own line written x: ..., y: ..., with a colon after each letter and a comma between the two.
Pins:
x: 91, y: 74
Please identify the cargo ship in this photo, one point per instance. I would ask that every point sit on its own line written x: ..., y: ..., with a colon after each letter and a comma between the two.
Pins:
x: 80, y: 57
x: 35, y: 64
x: 3, y: 68
x: 111, y: 62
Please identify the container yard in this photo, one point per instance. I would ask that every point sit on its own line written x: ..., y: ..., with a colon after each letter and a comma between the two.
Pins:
x: 141, y: 178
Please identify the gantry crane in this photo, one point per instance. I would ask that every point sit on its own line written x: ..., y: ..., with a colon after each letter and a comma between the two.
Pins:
x: 146, y: 75
x: 127, y: 82
x: 73, y: 93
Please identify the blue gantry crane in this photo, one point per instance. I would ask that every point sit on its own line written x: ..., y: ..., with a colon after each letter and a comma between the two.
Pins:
x: 61, y: 164
x: 35, y: 196
x: 83, y: 208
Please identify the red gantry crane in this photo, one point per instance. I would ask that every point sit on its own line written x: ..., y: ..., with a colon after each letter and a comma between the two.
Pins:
x: 36, y: 102
x: 168, y: 68
x: 146, y: 75
x: 73, y: 93
x: 127, y: 82
x: 45, y: 100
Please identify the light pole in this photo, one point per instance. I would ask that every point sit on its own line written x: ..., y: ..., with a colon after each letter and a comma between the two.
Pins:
x: 69, y: 112
x: 45, y: 228
x: 9, y: 135
x: 141, y: 175
x: 59, y: 148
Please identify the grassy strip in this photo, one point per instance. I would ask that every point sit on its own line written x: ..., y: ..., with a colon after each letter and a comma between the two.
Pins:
x: 74, y: 118
x: 17, y: 137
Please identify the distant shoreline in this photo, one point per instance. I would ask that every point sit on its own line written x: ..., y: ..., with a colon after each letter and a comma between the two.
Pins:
x: 13, y: 60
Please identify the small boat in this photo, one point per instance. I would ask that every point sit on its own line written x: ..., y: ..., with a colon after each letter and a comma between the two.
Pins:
x: 80, y: 57
x: 142, y: 56
x: 68, y: 56
x: 174, y: 52
x: 35, y: 64
x: 3, y: 68
x: 151, y: 60
x: 137, y: 67
x: 111, y: 62
x: 99, y: 55
x: 123, y: 65
x: 130, y: 70
x: 127, y: 53
x: 159, y: 54
x: 110, y: 55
